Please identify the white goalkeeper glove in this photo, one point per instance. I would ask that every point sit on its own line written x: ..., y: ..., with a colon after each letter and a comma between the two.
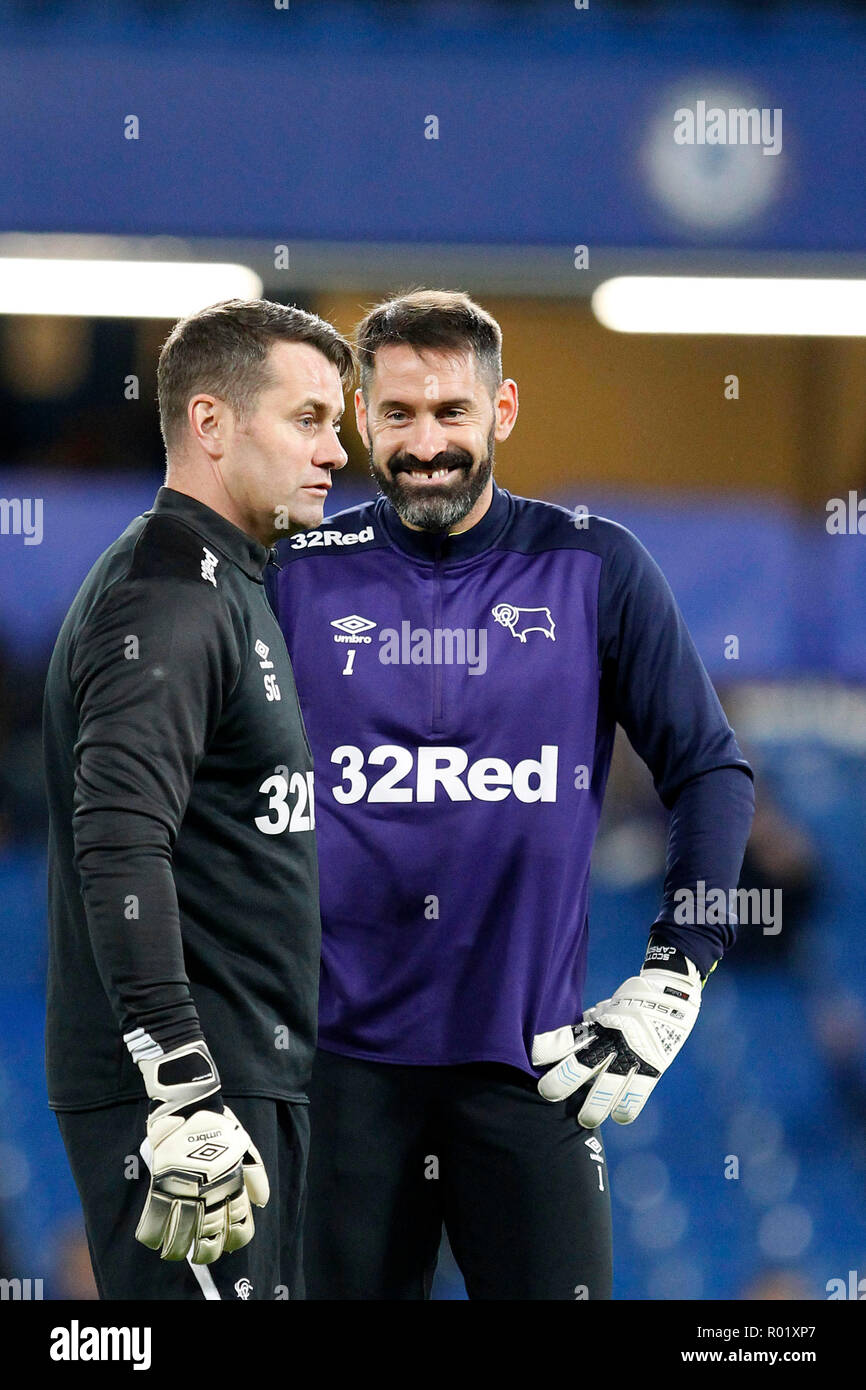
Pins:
x: 624, y: 1043
x: 205, y: 1169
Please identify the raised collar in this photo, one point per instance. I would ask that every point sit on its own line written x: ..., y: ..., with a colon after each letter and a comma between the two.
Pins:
x: 441, y: 545
x: 248, y: 554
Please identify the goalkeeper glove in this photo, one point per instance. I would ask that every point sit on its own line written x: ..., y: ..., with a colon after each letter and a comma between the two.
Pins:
x: 624, y: 1043
x: 205, y: 1169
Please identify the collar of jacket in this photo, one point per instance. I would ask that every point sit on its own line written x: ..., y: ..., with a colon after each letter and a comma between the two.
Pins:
x: 440, y: 545
x: 248, y: 554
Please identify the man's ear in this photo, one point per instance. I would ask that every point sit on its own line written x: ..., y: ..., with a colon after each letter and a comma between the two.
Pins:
x: 505, y: 409
x: 209, y: 418
x: 361, y: 417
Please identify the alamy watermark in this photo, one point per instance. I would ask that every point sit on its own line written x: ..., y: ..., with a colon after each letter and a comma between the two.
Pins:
x: 747, y: 906
x: 417, y: 646
x: 846, y: 516
x: 853, y: 1287
x: 739, y: 125
x: 22, y: 516
x: 23, y: 1290
x: 77, y: 1343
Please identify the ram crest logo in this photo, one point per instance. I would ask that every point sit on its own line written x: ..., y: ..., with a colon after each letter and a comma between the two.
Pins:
x: 519, y: 621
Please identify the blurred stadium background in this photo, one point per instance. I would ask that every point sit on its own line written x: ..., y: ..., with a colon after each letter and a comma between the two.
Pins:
x: 294, y: 140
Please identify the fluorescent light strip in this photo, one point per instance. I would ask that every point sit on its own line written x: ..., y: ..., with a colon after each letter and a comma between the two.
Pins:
x: 688, y: 304
x: 120, y: 289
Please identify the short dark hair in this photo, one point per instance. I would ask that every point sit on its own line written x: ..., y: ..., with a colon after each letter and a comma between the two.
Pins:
x: 224, y: 349
x: 431, y: 319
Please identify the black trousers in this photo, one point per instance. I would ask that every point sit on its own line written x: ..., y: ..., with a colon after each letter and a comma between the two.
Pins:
x: 399, y: 1151
x: 112, y: 1181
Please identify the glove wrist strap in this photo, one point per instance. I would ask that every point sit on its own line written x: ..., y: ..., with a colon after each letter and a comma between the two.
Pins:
x: 182, y: 1081
x: 661, y: 956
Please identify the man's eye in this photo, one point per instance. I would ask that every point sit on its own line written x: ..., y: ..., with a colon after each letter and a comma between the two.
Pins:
x: 453, y: 410
x: 395, y: 416
x: 337, y: 426
x: 307, y: 420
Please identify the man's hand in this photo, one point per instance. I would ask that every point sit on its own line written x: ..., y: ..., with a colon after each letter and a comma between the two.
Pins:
x: 624, y: 1043
x: 205, y: 1169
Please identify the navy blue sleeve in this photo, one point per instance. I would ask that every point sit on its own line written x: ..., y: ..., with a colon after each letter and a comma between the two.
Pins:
x: 709, y: 827
x: 659, y: 691
x: 652, y: 675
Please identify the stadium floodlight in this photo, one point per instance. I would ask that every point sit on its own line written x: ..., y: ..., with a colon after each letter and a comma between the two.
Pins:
x: 723, y: 304
x: 120, y: 288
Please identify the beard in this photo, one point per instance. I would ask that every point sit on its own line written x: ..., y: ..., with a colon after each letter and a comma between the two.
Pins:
x: 435, y: 506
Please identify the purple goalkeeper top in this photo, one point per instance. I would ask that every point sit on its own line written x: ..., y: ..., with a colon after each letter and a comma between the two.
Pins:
x: 461, y: 695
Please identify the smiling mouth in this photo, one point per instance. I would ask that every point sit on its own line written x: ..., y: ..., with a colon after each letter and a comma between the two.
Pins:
x: 429, y: 474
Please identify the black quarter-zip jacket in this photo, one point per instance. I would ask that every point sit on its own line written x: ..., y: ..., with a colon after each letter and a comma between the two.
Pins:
x: 183, y: 881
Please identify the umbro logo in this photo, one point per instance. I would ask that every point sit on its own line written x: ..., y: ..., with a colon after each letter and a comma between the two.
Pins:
x: 272, y: 690
x: 353, y: 624
x: 207, y: 1152
x: 352, y: 628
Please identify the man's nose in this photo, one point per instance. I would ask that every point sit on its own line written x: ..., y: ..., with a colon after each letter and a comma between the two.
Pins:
x: 426, y: 440
x: 330, y: 452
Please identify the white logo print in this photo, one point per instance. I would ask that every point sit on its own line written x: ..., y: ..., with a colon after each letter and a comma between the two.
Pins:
x: 596, y: 1153
x: 519, y: 621
x: 307, y: 540
x: 421, y: 774
x: 272, y: 690
x: 243, y: 1288
x: 352, y: 628
x: 660, y: 953
x: 208, y: 565
x: 279, y: 788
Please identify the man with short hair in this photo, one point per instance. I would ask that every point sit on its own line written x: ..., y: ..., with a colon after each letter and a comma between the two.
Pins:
x: 463, y: 657
x: 183, y: 889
